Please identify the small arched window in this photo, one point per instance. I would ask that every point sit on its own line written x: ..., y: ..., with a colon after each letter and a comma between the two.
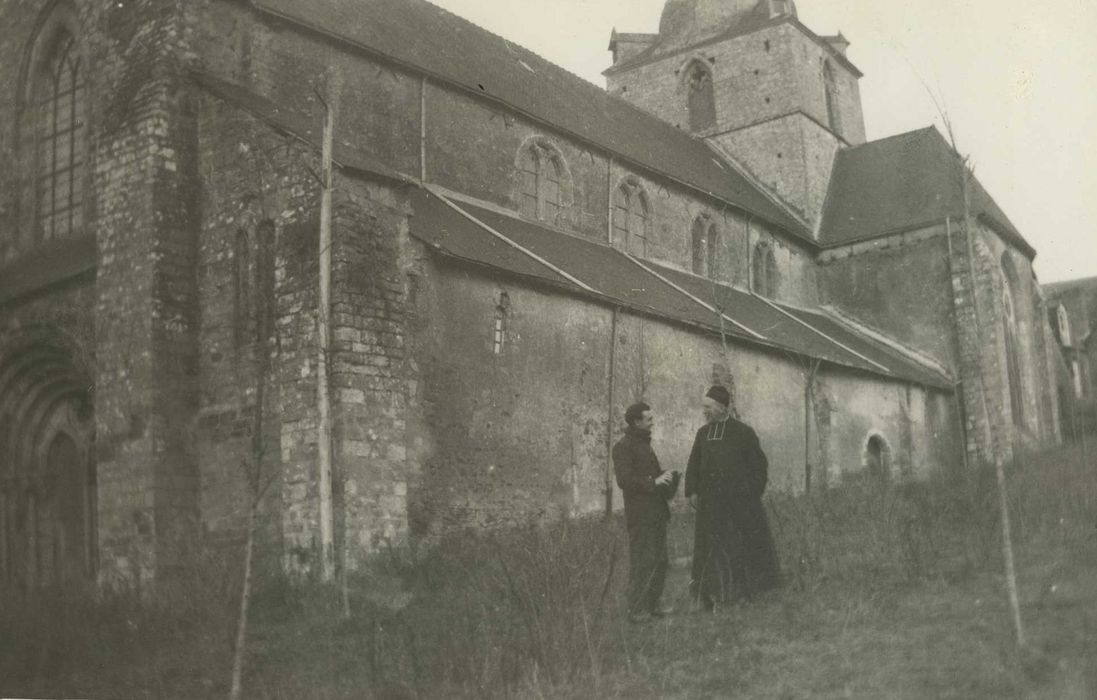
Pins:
x: 499, y: 326
x: 631, y: 218
x: 701, y: 97
x: 765, y: 279
x: 60, y: 107
x: 704, y: 243
x: 830, y: 87
x: 543, y: 180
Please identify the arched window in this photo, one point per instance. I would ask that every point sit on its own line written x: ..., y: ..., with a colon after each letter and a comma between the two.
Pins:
x: 830, y: 87
x: 702, y: 100
x: 704, y: 242
x: 543, y: 180
x: 1009, y: 325
x: 765, y: 280
x: 60, y: 108
x: 631, y: 218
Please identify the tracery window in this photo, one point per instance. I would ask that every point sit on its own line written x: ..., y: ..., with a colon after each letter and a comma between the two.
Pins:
x: 765, y: 279
x: 704, y: 242
x: 60, y: 104
x: 543, y: 181
x: 702, y: 99
x: 631, y: 218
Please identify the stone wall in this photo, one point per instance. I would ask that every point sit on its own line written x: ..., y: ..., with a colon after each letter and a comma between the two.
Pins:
x: 900, y: 285
x: 526, y: 431
x: 138, y: 191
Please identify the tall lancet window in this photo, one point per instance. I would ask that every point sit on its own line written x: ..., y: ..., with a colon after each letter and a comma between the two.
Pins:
x: 704, y: 243
x: 543, y: 182
x: 765, y: 278
x: 702, y: 100
x: 830, y: 86
x: 61, y: 106
x: 631, y: 218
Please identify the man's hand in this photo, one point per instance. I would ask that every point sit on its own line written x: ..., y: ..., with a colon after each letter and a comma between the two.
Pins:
x: 693, y: 500
x: 664, y: 479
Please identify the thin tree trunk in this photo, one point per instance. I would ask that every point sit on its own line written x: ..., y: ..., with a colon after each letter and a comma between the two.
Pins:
x: 245, y: 602
x: 999, y: 466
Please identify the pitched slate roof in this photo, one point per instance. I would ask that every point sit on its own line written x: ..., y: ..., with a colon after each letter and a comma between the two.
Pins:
x: 503, y: 242
x: 427, y: 38
x: 903, y: 182
x: 1053, y: 289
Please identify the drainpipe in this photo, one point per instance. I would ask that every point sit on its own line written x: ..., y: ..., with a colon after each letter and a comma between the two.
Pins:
x: 809, y: 403
x: 610, y: 417
x: 323, y: 400
x: 749, y: 257
x: 423, y: 130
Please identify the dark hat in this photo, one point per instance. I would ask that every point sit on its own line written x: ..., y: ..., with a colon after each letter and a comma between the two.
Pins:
x: 719, y: 393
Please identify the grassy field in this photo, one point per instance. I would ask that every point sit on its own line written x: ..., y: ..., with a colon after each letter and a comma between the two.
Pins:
x: 892, y: 591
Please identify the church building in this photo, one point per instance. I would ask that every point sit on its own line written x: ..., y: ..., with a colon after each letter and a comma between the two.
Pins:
x: 386, y: 274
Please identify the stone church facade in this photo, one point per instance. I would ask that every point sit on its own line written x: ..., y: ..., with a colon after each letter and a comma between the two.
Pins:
x: 515, y: 256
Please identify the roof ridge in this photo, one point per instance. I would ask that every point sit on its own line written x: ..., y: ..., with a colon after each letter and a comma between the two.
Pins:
x: 892, y: 137
x: 1064, y: 284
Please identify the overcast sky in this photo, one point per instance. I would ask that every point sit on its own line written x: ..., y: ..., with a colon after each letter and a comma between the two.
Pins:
x: 1018, y: 78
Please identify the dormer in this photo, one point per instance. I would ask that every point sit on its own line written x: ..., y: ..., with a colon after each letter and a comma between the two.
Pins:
x: 626, y: 46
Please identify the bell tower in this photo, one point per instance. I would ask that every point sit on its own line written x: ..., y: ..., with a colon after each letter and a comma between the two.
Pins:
x: 749, y: 77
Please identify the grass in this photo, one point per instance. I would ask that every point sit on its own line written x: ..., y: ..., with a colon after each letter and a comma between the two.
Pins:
x: 892, y: 591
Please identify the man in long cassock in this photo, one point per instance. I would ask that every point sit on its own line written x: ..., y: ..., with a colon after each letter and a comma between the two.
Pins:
x: 733, y: 553
x: 647, y: 488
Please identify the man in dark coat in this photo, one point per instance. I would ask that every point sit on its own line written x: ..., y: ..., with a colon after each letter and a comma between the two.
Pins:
x: 733, y: 553
x: 647, y: 489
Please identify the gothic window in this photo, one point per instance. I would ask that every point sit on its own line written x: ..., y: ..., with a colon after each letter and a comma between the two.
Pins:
x: 704, y: 242
x: 830, y: 87
x: 631, y: 218
x: 765, y: 279
x: 1063, y: 325
x: 542, y: 182
x: 702, y: 100
x: 60, y: 107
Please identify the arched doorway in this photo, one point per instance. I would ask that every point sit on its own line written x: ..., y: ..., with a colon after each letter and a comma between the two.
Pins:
x: 48, y: 499
x: 877, y: 458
